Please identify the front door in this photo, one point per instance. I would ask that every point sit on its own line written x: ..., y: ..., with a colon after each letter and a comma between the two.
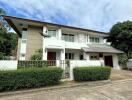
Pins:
x: 108, y: 61
x: 51, y: 56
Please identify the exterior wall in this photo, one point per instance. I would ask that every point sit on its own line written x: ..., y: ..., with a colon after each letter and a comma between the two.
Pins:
x: 129, y: 64
x: 18, y: 48
x: 76, y: 53
x: 34, y: 41
x: 115, y: 60
x: 82, y: 38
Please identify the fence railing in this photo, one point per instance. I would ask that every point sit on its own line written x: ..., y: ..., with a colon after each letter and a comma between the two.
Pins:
x: 39, y: 63
x: 36, y: 63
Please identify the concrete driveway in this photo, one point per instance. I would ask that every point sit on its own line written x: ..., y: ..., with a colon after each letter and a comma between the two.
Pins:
x: 116, y: 90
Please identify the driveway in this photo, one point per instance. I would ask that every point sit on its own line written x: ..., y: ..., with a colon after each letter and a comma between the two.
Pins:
x: 120, y: 74
x: 116, y: 90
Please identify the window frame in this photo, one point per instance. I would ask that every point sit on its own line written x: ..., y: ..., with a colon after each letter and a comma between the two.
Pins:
x: 69, y: 56
x: 52, y: 34
x: 68, y: 37
x: 93, y: 39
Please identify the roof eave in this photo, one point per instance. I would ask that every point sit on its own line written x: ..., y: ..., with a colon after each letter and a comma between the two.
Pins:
x: 12, y: 25
x: 59, y: 25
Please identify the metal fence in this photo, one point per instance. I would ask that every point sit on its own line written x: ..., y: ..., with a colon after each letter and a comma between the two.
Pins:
x: 48, y: 63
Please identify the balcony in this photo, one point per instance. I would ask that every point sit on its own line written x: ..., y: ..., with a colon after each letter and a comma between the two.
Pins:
x: 53, y: 42
x: 61, y: 44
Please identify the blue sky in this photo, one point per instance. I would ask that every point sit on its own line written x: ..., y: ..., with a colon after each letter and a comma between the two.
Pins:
x: 98, y: 15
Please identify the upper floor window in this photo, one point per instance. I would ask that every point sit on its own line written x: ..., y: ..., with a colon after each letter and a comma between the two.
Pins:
x: 68, y: 37
x: 94, y: 39
x: 24, y: 34
x: 52, y: 33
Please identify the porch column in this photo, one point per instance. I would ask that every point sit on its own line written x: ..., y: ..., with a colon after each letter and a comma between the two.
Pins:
x: 86, y: 56
x: 115, y: 62
x: 59, y: 34
x: 62, y: 58
x: 62, y: 54
x: 102, y: 61
x: 44, y: 48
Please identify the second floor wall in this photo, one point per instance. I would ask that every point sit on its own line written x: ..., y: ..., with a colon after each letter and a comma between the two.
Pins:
x: 75, y: 36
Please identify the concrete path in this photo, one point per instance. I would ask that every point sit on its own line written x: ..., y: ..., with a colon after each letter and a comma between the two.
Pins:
x: 116, y: 90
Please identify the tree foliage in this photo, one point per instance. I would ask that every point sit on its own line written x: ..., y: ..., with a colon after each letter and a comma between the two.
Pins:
x: 8, y: 40
x: 121, y: 36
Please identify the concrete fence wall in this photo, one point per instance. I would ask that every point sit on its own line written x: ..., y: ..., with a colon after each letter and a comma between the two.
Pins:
x: 82, y: 63
x: 129, y: 64
x: 8, y: 64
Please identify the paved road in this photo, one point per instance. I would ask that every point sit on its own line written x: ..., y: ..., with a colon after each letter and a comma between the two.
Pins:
x: 111, y: 91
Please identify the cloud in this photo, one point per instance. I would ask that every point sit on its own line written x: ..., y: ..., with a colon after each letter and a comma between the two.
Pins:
x: 93, y: 14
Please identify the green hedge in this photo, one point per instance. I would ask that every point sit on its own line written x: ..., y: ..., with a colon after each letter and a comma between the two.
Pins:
x: 91, y: 73
x: 29, y: 78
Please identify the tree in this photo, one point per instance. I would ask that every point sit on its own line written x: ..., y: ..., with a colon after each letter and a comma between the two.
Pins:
x: 121, y: 37
x: 8, y: 40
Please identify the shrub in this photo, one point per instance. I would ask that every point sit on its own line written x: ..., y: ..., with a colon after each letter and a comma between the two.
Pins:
x: 29, y: 78
x: 37, y: 55
x: 91, y: 73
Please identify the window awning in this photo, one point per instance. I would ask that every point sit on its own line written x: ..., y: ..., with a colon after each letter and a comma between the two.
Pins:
x: 101, y: 48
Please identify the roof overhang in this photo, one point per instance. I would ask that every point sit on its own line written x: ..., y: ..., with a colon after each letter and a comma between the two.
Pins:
x: 101, y: 48
x: 16, y: 22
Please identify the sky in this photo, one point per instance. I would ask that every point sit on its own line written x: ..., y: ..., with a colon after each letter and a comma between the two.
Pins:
x: 99, y: 15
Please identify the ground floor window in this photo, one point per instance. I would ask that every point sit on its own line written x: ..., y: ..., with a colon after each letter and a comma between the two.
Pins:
x: 69, y: 55
x: 94, y: 57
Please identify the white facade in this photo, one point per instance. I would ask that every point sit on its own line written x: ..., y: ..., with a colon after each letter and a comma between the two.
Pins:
x: 62, y: 47
x: 66, y: 44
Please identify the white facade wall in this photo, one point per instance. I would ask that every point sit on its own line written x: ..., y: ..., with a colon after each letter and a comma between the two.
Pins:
x: 115, y: 62
x: 82, y: 38
x: 8, y: 64
x: 44, y: 46
x: 129, y: 64
x: 23, y: 46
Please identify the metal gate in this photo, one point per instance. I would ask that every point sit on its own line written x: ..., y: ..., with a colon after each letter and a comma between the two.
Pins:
x: 66, y: 68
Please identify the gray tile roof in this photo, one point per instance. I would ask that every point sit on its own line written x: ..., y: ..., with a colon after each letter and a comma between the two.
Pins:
x: 101, y: 48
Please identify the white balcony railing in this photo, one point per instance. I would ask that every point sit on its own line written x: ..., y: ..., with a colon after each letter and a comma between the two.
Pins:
x: 60, y: 44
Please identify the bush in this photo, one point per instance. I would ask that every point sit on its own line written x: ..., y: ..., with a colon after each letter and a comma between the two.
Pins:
x: 29, y: 78
x: 91, y: 73
x: 38, y: 55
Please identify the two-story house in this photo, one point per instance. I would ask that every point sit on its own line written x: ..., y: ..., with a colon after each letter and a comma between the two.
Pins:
x: 61, y: 42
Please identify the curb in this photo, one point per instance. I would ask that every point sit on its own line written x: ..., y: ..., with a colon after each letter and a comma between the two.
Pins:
x: 92, y: 84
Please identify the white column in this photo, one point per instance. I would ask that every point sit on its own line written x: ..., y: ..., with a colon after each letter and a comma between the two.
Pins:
x: 59, y: 34
x: 23, y: 46
x: 87, y: 39
x: 63, y: 54
x: 115, y: 62
x: 62, y: 58
x: 44, y: 48
x: 102, y: 61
